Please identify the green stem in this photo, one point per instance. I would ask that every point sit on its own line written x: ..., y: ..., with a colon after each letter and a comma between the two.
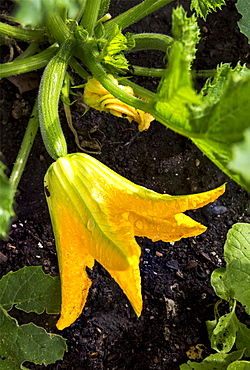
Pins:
x: 159, y: 72
x: 78, y: 69
x: 151, y: 41
x: 136, y: 13
x: 139, y: 91
x: 31, y: 50
x: 25, y: 148
x: 31, y: 63
x: 90, y: 15
x: 149, y: 72
x: 204, y: 73
x: 21, y: 34
x: 232, y: 305
x: 57, y: 28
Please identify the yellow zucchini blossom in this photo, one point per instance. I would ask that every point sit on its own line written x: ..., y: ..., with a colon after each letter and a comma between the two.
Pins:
x: 96, y: 215
x: 96, y: 96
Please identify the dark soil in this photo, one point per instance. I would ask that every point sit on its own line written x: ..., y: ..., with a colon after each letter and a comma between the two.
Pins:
x: 177, y: 294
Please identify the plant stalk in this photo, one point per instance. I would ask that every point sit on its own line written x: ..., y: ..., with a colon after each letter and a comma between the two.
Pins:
x: 151, y: 41
x: 136, y: 13
x: 78, y: 68
x: 31, y: 63
x: 25, y: 148
x: 159, y: 72
x: 20, y: 33
x: 139, y: 91
x: 90, y: 15
x: 31, y: 50
x: 57, y: 28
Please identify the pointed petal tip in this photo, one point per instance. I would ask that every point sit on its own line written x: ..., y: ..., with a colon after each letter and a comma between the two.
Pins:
x: 138, y: 309
x: 61, y: 325
x: 65, y: 321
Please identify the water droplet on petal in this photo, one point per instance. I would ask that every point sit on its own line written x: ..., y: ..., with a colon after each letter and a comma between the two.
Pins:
x: 91, y: 224
x: 139, y: 224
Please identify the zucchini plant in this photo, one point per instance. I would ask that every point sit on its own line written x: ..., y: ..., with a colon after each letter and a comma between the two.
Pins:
x: 82, y: 36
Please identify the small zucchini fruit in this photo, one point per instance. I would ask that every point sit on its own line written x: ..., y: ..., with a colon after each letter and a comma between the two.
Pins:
x: 48, y: 100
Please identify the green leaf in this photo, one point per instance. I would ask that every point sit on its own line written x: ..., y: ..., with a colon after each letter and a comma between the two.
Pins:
x: 185, y: 30
x: 220, y: 284
x: 204, y: 7
x: 7, y: 194
x: 237, y: 256
x: 217, y: 361
x: 27, y: 343
x: 224, y: 334
x: 244, y: 23
x: 240, y: 162
x: 218, y: 121
x: 239, y: 365
x: 215, y: 86
x: 233, y: 282
x: 243, y: 338
x: 34, y: 13
x: 221, y: 120
x: 29, y: 289
x: 175, y: 90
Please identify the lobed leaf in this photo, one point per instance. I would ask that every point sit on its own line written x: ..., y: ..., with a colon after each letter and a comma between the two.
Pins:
x: 220, y: 122
x: 7, y: 194
x: 29, y: 289
x: 215, y: 120
x: 244, y: 23
x: 175, y: 90
x: 204, y: 7
x: 222, y: 111
x: 185, y: 30
x: 27, y: 343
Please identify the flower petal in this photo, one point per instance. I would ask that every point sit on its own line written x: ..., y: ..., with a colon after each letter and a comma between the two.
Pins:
x: 171, y: 229
x: 73, y: 259
x: 149, y: 203
x: 118, y: 194
x: 130, y: 282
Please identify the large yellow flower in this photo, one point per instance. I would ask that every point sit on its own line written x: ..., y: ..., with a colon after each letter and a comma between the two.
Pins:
x: 95, y: 216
